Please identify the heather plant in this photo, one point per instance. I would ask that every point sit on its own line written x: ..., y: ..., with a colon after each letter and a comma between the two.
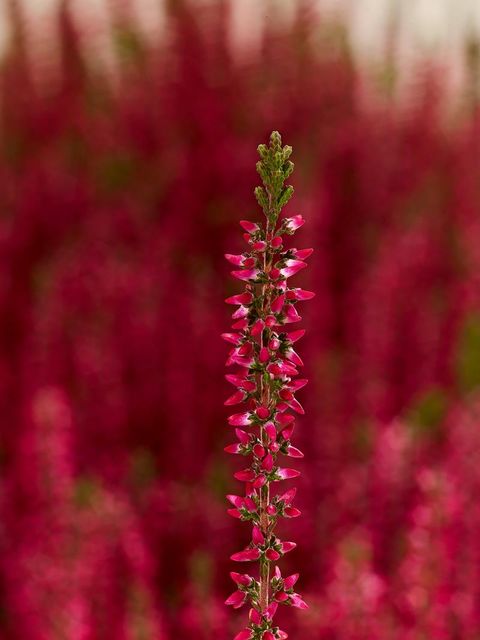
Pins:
x: 266, y: 381
x: 116, y: 210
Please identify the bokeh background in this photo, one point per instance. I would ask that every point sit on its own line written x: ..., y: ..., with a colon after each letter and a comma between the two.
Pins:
x: 128, y: 137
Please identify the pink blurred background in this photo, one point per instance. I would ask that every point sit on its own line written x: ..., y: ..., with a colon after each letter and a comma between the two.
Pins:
x: 124, y: 170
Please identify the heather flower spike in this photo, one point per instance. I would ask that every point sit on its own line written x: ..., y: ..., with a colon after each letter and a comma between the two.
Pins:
x: 265, y: 373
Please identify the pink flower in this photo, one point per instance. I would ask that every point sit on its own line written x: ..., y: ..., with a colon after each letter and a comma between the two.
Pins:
x: 287, y: 474
x: 241, y: 578
x: 242, y: 298
x: 257, y: 536
x: 246, y: 274
x: 291, y: 267
x: 294, y: 223
x: 237, y: 599
x: 246, y: 556
x: 250, y: 227
x: 239, y: 419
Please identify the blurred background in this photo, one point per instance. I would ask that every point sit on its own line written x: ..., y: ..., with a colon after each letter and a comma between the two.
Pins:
x: 128, y: 135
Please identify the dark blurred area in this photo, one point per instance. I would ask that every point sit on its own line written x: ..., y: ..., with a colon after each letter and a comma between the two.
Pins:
x: 120, y: 191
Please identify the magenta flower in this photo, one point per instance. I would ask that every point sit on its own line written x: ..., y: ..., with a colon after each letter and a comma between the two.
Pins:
x: 266, y: 381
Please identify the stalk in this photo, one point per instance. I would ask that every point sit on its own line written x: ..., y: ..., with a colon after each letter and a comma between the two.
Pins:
x: 266, y: 367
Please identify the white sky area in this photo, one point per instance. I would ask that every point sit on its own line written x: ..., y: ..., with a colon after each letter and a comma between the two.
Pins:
x: 421, y: 25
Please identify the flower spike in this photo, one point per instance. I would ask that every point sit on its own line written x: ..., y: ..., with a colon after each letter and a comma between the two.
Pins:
x: 266, y: 383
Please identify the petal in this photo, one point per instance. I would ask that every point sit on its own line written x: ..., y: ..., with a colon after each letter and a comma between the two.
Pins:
x: 302, y: 254
x: 296, y: 406
x: 267, y: 462
x: 231, y: 337
x: 272, y: 555
x: 302, y: 294
x: 259, y: 481
x: 246, y: 274
x: 257, y: 328
x: 287, y: 474
x: 246, y: 475
x: 237, y: 260
x: 294, y: 223
x: 293, y: 452
x: 292, y: 512
x: 292, y: 267
x: 289, y: 582
x: 241, y: 298
x: 242, y: 436
x: 264, y: 355
x: 246, y: 555
x: 237, y: 501
x: 239, y: 419
x: 241, y: 578
x: 240, y: 325
x: 241, y: 312
x: 271, y: 610
x: 233, y: 448
x: 297, y: 601
x: 294, y: 357
x: 257, y: 536
x: 235, y: 513
x: 250, y: 227
x: 289, y: 495
x: 291, y: 315
x: 296, y: 335
x: 277, y: 304
x: 288, y: 546
x: 236, y: 398
x: 284, y: 419
x: 295, y: 385
x: 250, y: 504
x: 236, y: 599
x: 287, y: 433
x: 255, y: 616
x: 270, y: 430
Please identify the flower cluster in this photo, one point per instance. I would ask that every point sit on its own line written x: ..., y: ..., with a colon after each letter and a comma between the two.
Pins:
x: 265, y: 379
